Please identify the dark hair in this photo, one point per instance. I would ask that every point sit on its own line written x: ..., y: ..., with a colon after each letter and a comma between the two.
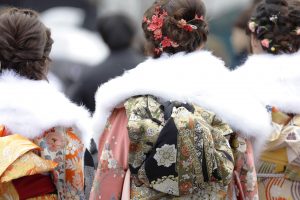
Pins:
x: 116, y: 30
x: 173, y: 12
x: 243, y: 19
x: 25, y: 43
x: 276, y: 22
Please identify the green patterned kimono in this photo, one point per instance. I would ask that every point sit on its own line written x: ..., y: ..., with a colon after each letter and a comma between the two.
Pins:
x: 177, y: 151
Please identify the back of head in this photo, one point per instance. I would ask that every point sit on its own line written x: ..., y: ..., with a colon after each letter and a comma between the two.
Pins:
x: 276, y: 24
x: 25, y: 43
x: 116, y: 30
x: 242, y: 20
x: 173, y: 26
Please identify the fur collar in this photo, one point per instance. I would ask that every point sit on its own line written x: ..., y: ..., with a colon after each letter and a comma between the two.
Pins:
x: 198, y: 78
x: 30, y: 107
x: 270, y: 80
x: 273, y: 80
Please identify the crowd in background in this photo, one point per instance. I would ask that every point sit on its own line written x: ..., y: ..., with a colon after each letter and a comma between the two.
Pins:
x: 177, y: 101
x: 79, y: 46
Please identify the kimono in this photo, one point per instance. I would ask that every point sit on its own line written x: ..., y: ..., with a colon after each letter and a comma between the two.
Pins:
x: 172, y: 128
x: 41, y: 143
x: 275, y: 82
x: 279, y: 167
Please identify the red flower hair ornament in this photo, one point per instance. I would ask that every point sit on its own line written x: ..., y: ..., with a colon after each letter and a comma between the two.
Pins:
x: 155, y: 25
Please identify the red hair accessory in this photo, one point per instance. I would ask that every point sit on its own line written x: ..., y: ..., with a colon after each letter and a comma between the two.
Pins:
x: 156, y: 22
x: 199, y: 18
x: 155, y: 25
x: 189, y: 27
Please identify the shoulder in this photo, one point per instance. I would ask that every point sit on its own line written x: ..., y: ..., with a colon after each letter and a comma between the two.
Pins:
x: 31, y: 107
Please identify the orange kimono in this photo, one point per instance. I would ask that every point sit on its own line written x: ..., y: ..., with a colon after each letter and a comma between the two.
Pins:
x: 48, y: 168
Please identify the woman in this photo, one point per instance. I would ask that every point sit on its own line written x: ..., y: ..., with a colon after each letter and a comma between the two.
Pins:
x: 160, y: 126
x: 40, y: 145
x: 272, y: 75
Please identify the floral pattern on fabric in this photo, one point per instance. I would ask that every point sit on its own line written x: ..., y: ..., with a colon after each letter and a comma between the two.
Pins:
x: 244, y: 184
x: 166, y: 155
x: 279, y: 164
x: 13, y: 147
x: 130, y: 136
x: 113, y: 156
x: 18, y: 159
x: 26, y: 165
x: 62, y: 145
x: 204, y: 160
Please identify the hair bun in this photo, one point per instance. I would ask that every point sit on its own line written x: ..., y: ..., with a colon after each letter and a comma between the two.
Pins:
x: 175, y: 26
x: 275, y: 24
x: 25, y: 43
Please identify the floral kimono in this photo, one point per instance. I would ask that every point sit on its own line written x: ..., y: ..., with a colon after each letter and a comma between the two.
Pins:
x: 275, y: 80
x: 59, y: 153
x: 168, y: 157
x: 41, y: 150
x: 279, y: 166
x: 162, y: 135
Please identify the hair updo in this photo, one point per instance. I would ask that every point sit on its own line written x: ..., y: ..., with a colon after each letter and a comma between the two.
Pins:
x: 181, y: 26
x: 276, y: 24
x: 25, y: 43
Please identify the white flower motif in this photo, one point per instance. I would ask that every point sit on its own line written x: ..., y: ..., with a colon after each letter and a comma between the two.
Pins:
x: 112, y: 164
x: 166, y: 155
x: 73, y: 145
x: 185, y: 176
x: 168, y: 186
x: 185, y: 163
x: 71, y: 195
x: 70, y: 149
x: 106, y: 154
x: 251, y: 181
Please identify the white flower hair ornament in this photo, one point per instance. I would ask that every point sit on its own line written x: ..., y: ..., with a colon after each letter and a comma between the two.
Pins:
x: 252, y: 26
x: 274, y: 18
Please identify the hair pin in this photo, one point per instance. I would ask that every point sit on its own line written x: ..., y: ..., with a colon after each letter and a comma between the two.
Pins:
x: 252, y: 25
x: 274, y: 18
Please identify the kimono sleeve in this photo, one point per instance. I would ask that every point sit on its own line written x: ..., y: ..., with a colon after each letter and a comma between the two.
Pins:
x: 113, y: 158
x: 63, y: 146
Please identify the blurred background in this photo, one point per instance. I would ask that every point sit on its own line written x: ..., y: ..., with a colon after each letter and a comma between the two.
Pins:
x: 79, y: 47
